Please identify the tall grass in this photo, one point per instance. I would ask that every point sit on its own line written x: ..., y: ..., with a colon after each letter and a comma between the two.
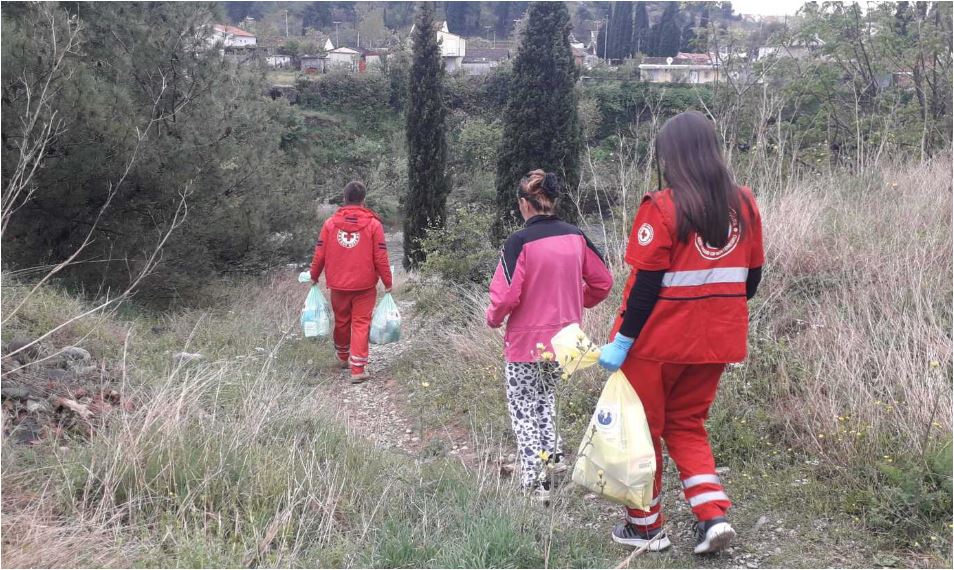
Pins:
x: 850, y: 340
x: 242, y: 460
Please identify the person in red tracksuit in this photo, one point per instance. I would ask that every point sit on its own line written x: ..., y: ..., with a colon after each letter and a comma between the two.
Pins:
x: 353, y: 254
x: 696, y: 256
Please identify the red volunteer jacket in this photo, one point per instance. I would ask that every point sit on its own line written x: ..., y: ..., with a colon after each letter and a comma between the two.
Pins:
x: 701, y: 316
x: 351, y: 247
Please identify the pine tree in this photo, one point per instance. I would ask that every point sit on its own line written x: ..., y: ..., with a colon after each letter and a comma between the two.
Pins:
x: 428, y: 186
x: 621, y: 31
x: 668, y: 38
x: 541, y: 126
x: 641, y: 29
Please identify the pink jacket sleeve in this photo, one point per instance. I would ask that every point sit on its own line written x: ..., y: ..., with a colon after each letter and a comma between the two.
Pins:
x: 504, y: 293
x: 597, y: 279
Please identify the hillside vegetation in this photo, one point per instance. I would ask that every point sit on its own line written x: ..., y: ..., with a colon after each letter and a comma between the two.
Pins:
x: 834, y: 437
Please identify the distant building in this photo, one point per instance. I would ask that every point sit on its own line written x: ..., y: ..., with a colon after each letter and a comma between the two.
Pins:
x: 693, y: 69
x: 574, y: 43
x: 343, y: 58
x: 279, y: 61
x: 371, y: 60
x: 795, y: 50
x: 453, y: 47
x: 230, y: 36
x: 312, y: 64
x: 483, y: 60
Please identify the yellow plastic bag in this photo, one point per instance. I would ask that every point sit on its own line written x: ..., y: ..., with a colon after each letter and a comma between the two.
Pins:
x: 616, y: 457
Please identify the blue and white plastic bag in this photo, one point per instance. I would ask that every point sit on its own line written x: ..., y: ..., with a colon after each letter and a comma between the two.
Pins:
x: 386, y: 321
x: 315, y: 321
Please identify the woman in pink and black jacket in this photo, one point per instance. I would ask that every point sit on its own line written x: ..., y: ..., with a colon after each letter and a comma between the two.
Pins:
x: 548, y: 272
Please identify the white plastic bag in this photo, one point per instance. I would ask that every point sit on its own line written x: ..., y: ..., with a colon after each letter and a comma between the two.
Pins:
x: 616, y: 458
x: 386, y: 321
x: 315, y: 321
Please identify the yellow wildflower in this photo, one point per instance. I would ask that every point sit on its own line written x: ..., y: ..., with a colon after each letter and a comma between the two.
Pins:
x: 547, y: 356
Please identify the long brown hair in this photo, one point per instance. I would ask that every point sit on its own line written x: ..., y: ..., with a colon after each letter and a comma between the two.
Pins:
x: 703, y: 189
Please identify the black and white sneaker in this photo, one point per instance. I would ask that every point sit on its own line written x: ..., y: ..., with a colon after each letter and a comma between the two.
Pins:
x: 713, y: 535
x: 560, y: 464
x: 630, y: 535
x: 541, y: 492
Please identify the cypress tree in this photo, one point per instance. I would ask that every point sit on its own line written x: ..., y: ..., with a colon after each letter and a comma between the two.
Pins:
x: 621, y: 31
x: 426, y: 144
x: 668, y: 32
x: 641, y: 29
x: 541, y: 127
x: 688, y: 40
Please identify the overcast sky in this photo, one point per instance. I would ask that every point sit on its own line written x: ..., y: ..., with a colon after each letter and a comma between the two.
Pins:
x: 767, y: 7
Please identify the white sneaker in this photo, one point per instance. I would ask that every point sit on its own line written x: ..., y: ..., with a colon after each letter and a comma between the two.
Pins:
x: 713, y: 535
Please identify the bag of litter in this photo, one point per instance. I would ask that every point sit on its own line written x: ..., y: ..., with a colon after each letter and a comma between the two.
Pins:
x: 386, y: 321
x: 314, y: 315
x: 616, y: 458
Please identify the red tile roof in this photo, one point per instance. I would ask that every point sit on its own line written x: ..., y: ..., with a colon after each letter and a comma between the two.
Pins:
x: 233, y: 30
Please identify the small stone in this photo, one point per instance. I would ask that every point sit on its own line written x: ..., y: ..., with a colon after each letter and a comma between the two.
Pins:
x: 512, y: 458
x: 75, y: 353
x: 763, y: 520
x: 34, y: 406
x: 722, y: 470
x: 86, y: 370
x: 186, y: 357
x: 58, y: 375
x: 508, y: 468
x: 415, y: 439
x: 591, y: 497
x: 455, y: 446
x: 12, y: 391
x: 408, y: 431
x: 25, y: 354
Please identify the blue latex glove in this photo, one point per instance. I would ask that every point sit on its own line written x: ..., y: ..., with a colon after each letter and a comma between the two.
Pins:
x: 613, y: 354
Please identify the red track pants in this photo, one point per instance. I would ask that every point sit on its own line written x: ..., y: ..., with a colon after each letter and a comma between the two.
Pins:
x: 676, y: 398
x: 353, y: 325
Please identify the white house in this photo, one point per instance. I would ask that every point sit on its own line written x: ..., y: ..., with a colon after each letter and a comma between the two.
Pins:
x: 230, y: 36
x: 453, y: 47
x: 343, y: 58
x: 693, y: 68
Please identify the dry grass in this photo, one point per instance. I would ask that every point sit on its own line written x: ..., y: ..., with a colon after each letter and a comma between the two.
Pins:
x: 858, y: 287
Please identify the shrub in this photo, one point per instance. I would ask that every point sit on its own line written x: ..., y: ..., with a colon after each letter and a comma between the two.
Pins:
x: 460, y: 252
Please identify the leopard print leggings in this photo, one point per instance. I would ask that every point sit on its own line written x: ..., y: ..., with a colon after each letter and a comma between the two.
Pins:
x: 530, y: 398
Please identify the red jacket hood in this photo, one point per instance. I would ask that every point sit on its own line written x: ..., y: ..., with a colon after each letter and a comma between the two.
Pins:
x: 353, y: 218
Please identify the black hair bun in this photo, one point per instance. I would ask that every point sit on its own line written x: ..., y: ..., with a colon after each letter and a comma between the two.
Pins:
x: 550, y: 185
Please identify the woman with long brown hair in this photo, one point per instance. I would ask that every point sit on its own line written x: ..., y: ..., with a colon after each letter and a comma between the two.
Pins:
x: 696, y: 256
